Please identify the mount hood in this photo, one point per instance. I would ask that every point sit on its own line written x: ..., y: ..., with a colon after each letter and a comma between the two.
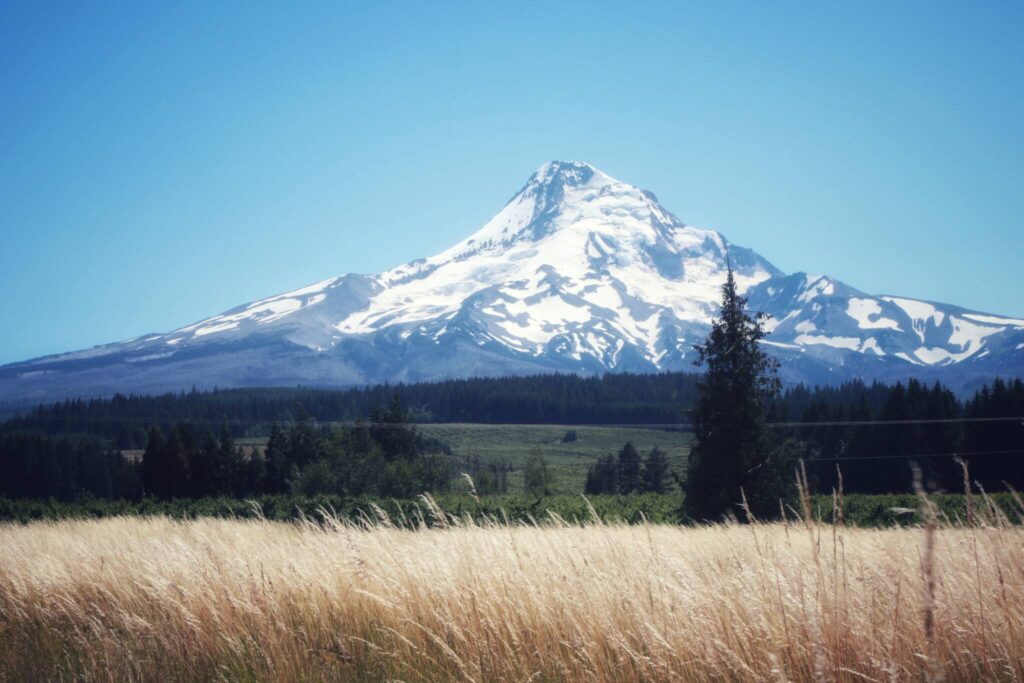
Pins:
x: 579, y: 272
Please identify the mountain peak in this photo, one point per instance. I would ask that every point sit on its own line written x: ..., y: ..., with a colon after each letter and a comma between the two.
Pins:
x: 567, y: 174
x: 571, y: 196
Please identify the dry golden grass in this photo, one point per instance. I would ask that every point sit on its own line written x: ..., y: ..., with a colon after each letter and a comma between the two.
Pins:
x: 156, y: 599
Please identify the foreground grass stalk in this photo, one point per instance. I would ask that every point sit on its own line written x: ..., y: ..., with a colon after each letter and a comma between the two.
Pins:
x: 158, y: 599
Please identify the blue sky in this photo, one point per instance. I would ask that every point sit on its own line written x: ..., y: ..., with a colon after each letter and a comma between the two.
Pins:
x: 164, y: 162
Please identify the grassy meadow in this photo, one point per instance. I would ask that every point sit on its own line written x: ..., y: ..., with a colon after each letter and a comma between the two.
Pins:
x: 252, y: 600
x: 568, y: 461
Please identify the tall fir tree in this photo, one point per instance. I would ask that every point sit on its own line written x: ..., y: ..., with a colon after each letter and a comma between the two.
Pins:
x: 279, y: 470
x: 175, y: 463
x: 629, y: 469
x: 603, y: 476
x: 734, y: 449
x: 153, y: 483
x: 203, y: 467
x: 231, y: 465
x: 654, y: 477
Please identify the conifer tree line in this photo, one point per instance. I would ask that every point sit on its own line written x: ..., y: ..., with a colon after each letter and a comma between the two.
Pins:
x: 542, y: 399
x: 876, y: 458
x: 179, y: 465
x: 384, y: 457
x: 34, y: 465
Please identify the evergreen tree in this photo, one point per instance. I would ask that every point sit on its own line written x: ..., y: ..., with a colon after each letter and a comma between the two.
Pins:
x: 654, y: 478
x: 734, y: 449
x: 388, y: 428
x: 603, y: 476
x: 857, y: 470
x: 279, y: 470
x: 153, y: 483
x: 629, y: 469
x: 229, y: 470
x: 592, y: 484
x: 944, y: 438
x: 997, y: 448
x: 203, y: 467
x: 253, y: 474
x: 174, y: 463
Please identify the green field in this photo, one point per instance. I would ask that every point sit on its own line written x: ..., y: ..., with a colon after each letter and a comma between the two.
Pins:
x: 568, y: 461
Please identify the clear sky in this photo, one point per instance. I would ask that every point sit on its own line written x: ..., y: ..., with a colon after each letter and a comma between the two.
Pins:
x: 164, y: 162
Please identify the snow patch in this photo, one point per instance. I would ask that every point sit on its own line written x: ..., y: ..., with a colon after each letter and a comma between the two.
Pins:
x: 920, y: 312
x: 969, y: 336
x: 862, y: 310
x: 871, y: 344
x: 851, y: 343
x: 936, y: 355
x: 772, y: 323
x: 781, y: 345
x: 966, y: 335
x: 995, y: 320
x: 211, y: 329
x: 311, y: 289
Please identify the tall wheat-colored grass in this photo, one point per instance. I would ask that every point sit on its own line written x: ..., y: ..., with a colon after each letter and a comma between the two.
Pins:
x: 156, y: 599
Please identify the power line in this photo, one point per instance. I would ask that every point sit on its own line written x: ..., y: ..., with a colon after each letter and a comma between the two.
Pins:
x: 345, y: 423
x: 944, y: 420
x: 624, y: 425
x: 915, y: 457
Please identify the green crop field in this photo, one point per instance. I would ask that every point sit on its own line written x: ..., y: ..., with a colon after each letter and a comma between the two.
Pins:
x: 568, y: 461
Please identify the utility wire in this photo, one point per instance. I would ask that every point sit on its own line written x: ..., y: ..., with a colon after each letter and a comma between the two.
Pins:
x: 624, y: 425
x: 914, y: 457
x: 944, y: 420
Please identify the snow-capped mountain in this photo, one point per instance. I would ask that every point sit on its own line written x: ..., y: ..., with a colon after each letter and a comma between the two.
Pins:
x: 579, y: 272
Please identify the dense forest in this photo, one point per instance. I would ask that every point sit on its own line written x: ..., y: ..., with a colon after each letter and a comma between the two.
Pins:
x: 872, y: 433
x: 384, y: 457
x: 874, y: 436
x: 542, y: 399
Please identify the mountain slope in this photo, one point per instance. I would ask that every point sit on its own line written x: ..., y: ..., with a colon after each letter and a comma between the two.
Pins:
x: 579, y: 272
